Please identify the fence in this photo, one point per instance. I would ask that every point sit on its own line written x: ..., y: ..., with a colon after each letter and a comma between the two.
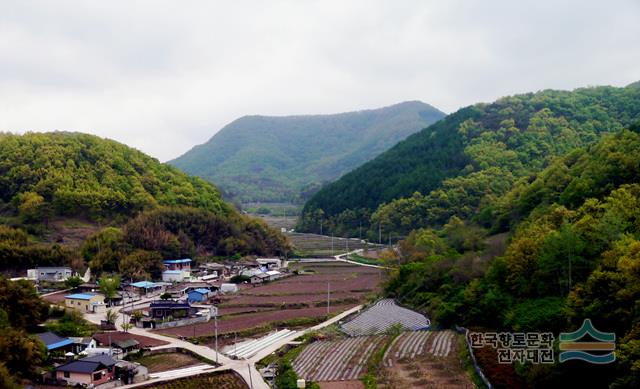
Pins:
x: 476, y: 367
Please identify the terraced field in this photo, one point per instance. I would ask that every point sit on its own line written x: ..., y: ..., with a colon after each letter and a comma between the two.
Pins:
x: 218, y: 380
x: 293, y: 299
x: 411, y: 344
x: 309, y: 245
x: 383, y: 315
x: 337, y: 360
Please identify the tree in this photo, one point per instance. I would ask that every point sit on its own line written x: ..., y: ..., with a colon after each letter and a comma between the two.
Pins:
x: 165, y: 296
x: 73, y: 282
x: 111, y: 316
x: 109, y: 286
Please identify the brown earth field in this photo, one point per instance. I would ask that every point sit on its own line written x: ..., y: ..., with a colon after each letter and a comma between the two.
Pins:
x: 239, y: 323
x: 297, y: 297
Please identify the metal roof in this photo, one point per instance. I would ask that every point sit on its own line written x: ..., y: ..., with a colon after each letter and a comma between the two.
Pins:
x: 186, y: 260
x: 201, y: 291
x: 101, y: 358
x: 81, y: 367
x: 172, y: 272
x: 144, y: 284
x: 53, y: 341
x: 80, y: 296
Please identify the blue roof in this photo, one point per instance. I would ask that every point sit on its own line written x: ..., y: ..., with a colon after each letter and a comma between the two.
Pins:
x: 186, y: 260
x: 80, y: 296
x: 63, y: 343
x: 201, y: 291
x: 144, y: 284
x: 172, y: 272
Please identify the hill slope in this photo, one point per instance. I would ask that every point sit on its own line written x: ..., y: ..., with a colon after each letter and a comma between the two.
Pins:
x: 470, y: 157
x: 262, y: 158
x: 572, y: 255
x: 77, y: 199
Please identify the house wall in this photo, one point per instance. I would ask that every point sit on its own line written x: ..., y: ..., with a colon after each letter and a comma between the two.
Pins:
x: 82, y: 378
x: 83, y: 305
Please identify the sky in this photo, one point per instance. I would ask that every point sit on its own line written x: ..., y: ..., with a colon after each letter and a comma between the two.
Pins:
x: 163, y: 76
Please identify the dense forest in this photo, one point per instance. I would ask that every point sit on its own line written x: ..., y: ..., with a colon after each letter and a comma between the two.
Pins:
x: 461, y: 165
x: 133, y: 210
x: 286, y: 159
x: 572, y: 254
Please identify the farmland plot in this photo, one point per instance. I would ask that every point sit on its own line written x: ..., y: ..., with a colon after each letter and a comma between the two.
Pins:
x: 424, y: 359
x: 382, y: 316
x: 321, y: 245
x: 410, y: 344
x: 344, y: 359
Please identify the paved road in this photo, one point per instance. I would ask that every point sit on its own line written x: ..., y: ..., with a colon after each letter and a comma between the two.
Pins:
x: 244, y: 367
x: 343, y: 258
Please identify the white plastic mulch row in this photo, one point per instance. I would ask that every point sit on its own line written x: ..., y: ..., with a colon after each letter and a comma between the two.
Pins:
x: 381, y: 316
x: 336, y: 360
x: 410, y: 344
x: 248, y: 349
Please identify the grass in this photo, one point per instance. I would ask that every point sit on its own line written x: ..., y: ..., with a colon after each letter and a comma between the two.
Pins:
x: 370, y: 379
x: 365, y: 260
x: 468, y: 364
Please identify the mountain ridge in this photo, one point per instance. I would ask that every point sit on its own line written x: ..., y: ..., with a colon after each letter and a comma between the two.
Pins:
x: 279, y: 156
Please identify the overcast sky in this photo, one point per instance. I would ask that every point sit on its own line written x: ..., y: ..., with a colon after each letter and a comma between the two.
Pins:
x: 163, y: 76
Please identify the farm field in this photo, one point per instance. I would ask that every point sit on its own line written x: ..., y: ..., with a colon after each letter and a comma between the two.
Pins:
x: 346, y: 359
x: 218, y: 380
x: 308, y: 245
x: 378, y: 318
x: 167, y: 361
x: 424, y: 359
x: 291, y: 301
x: 337, y: 360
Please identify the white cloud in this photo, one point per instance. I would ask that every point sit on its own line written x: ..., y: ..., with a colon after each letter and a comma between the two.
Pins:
x: 163, y: 76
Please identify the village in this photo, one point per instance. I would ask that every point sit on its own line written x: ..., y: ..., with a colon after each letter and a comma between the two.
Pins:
x: 185, y: 295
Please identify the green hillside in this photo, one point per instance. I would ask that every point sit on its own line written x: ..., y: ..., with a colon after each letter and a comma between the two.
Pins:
x: 467, y: 160
x: 282, y: 159
x: 572, y: 254
x: 64, y: 194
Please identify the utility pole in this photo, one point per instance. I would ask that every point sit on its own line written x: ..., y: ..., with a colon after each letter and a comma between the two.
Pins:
x: 250, y: 378
x: 215, y: 324
x: 320, y: 226
x: 360, y: 233
x: 379, y: 233
x: 331, y: 244
x: 328, y: 297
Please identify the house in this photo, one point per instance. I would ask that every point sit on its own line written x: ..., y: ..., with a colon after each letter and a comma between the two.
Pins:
x: 273, y: 275
x: 259, y: 278
x: 55, y: 342
x: 81, y: 344
x: 229, y: 288
x: 270, y: 263
x: 145, y: 287
x: 212, y: 267
x: 126, y: 345
x: 173, y: 309
x: 90, y: 371
x: 183, y: 265
x: 85, y: 302
x: 88, y: 287
x: 198, y: 295
x: 173, y: 276
x: 52, y: 274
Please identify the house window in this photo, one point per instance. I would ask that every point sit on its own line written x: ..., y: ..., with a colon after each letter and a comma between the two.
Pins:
x: 67, y: 374
x: 97, y: 376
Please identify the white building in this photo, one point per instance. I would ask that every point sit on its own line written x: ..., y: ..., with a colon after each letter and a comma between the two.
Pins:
x: 173, y: 276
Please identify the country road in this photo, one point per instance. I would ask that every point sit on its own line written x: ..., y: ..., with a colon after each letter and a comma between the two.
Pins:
x: 244, y: 367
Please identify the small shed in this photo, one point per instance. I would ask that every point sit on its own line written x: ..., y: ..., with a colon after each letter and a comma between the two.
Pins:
x: 259, y: 278
x: 198, y: 295
x: 229, y: 288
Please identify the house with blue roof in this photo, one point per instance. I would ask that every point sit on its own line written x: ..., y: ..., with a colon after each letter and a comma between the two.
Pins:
x: 177, y: 270
x: 145, y: 287
x: 85, y: 302
x: 198, y: 295
x: 55, y: 342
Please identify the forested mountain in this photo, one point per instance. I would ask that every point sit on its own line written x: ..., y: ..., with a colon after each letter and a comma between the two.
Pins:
x: 466, y: 161
x: 281, y: 159
x: 572, y: 255
x: 70, y: 198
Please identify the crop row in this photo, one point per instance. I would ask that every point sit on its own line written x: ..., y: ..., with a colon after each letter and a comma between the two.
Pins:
x: 382, y: 316
x: 336, y: 360
x: 413, y: 343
